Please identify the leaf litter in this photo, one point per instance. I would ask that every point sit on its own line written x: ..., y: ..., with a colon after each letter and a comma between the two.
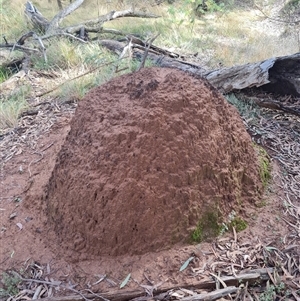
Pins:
x: 251, y: 266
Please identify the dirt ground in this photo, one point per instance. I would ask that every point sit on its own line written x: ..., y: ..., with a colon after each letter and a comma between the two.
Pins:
x: 28, y: 156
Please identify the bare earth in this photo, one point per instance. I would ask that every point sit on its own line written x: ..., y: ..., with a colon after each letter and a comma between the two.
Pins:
x: 36, y: 152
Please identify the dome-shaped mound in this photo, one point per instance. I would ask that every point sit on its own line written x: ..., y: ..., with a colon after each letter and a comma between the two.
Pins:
x: 148, y: 154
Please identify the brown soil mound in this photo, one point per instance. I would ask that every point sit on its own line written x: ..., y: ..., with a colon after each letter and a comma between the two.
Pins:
x: 148, y: 155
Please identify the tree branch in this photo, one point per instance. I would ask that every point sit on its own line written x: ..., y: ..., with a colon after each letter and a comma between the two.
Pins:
x: 95, y: 25
x: 54, y: 23
x: 18, y: 47
x: 276, y: 19
x: 52, y: 28
x: 38, y: 21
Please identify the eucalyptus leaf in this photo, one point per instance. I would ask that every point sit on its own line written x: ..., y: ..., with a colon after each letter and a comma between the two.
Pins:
x: 125, y: 281
x: 185, y: 265
x: 271, y: 249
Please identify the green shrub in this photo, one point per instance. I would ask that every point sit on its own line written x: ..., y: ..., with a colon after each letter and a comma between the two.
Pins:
x: 10, y: 285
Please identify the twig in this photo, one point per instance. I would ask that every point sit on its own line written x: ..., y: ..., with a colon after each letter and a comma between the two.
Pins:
x: 146, y: 52
x: 48, y: 146
x: 35, y: 161
x: 43, y: 48
x: 219, y: 279
x: 15, y: 46
x: 24, y: 37
x: 55, y: 283
x: 97, y: 295
x: 73, y: 37
x: 59, y: 283
x: 275, y: 19
x: 213, y: 295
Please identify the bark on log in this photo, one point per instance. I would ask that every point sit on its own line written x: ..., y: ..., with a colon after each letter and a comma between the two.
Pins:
x: 277, y: 75
x: 212, y: 295
x: 158, y: 57
x: 251, y: 277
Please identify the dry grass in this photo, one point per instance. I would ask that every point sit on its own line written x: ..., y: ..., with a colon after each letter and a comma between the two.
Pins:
x: 12, y: 106
x: 227, y: 38
x: 12, y: 21
x: 234, y: 37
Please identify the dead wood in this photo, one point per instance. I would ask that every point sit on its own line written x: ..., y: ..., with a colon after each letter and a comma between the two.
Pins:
x: 279, y: 75
x: 51, y: 28
x: 149, y: 42
x: 39, y: 22
x: 212, y: 295
x: 54, y: 24
x: 45, y: 29
x: 158, y: 56
x: 250, y: 277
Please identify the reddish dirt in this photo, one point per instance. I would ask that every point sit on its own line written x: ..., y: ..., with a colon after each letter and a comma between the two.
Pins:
x: 24, y: 179
x: 148, y: 155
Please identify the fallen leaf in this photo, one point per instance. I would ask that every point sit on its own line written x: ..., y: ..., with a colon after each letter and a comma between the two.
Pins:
x: 19, y: 225
x: 125, y: 281
x: 185, y: 265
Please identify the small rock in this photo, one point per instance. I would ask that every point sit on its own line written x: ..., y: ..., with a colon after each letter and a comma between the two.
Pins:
x: 13, y: 215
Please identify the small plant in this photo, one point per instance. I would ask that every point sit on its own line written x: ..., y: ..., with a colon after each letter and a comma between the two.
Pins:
x: 225, y: 227
x: 238, y: 223
x: 233, y: 221
x: 264, y: 166
x: 10, y: 285
x: 245, y: 107
x: 207, y: 227
x: 271, y: 291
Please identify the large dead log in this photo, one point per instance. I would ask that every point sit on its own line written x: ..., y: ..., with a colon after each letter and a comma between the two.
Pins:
x: 158, y: 56
x: 277, y: 75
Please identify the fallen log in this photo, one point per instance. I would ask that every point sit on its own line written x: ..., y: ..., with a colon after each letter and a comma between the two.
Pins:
x: 158, y: 56
x: 217, y: 294
x: 257, y: 276
x: 278, y: 75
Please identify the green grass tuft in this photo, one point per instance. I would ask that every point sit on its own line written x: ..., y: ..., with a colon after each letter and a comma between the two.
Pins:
x: 12, y: 106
